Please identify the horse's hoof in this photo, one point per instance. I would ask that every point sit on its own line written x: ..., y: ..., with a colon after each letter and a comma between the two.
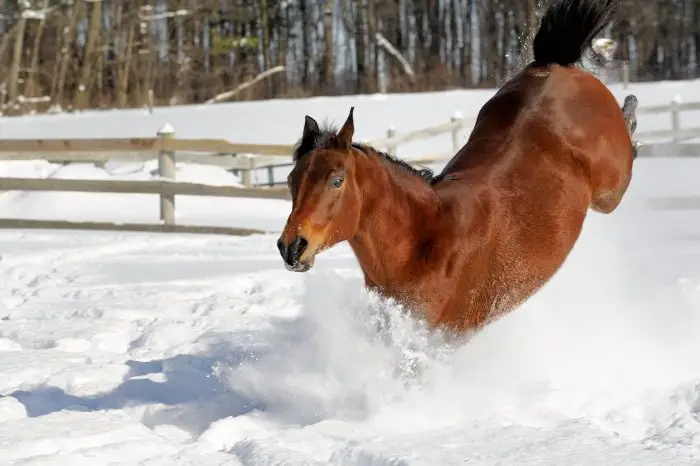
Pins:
x: 635, y: 149
x: 629, y: 109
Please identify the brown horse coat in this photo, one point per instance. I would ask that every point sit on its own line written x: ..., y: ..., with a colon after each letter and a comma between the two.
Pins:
x: 472, y: 243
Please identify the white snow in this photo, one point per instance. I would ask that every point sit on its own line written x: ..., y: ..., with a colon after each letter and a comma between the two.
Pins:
x: 120, y: 348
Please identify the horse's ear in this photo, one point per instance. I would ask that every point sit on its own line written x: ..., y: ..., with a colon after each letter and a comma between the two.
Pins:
x: 346, y: 132
x: 310, y: 127
x: 308, y: 138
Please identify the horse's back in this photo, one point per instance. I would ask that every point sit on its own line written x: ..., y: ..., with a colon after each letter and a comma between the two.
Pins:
x: 498, y: 124
x: 561, y: 117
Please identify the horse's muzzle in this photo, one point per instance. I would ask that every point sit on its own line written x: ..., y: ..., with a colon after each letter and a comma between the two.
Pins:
x: 291, y: 254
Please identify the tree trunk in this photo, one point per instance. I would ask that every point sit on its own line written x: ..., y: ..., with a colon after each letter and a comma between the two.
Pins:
x: 82, y: 99
x: 66, y: 53
x: 328, y: 65
x: 360, y: 46
x: 13, y: 79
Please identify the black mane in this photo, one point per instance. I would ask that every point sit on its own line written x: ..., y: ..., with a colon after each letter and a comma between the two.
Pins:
x: 325, y: 139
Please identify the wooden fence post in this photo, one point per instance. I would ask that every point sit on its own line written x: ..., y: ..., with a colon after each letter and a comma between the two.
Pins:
x: 270, y: 175
x: 456, y: 119
x: 392, y: 149
x: 676, y: 120
x: 166, y: 170
x: 247, y: 172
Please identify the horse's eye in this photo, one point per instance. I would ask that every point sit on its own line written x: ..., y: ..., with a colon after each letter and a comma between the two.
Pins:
x: 337, y: 181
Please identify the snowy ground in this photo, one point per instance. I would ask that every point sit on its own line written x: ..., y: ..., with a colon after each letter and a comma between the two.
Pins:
x: 169, y: 349
x: 172, y: 349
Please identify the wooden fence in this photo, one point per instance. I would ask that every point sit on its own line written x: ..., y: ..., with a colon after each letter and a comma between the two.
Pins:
x: 165, y: 146
x: 242, y: 158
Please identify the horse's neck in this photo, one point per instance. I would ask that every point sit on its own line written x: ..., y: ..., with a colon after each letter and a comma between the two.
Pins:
x: 395, y: 229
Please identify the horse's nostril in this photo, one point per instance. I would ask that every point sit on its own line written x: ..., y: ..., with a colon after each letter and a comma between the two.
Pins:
x: 295, y: 249
x: 302, y: 245
x: 292, y: 252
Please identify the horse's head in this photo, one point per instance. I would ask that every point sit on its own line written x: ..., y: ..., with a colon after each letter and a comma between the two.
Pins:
x: 326, y: 198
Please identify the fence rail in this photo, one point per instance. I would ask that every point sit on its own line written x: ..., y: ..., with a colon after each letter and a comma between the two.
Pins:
x: 33, y: 224
x: 242, y: 158
x: 164, y: 143
x: 164, y: 187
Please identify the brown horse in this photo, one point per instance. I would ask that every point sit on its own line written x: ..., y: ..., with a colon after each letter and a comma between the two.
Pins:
x: 472, y: 243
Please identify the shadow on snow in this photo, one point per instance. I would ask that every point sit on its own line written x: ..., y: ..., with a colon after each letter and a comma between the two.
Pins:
x: 192, y: 395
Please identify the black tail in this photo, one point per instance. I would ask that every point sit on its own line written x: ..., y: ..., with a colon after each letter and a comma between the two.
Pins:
x: 568, y: 27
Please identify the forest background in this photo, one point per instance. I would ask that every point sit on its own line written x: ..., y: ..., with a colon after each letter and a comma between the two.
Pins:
x: 62, y: 55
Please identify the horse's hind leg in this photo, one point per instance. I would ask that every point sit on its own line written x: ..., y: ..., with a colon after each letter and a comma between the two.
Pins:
x: 606, y: 199
x: 629, y: 112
